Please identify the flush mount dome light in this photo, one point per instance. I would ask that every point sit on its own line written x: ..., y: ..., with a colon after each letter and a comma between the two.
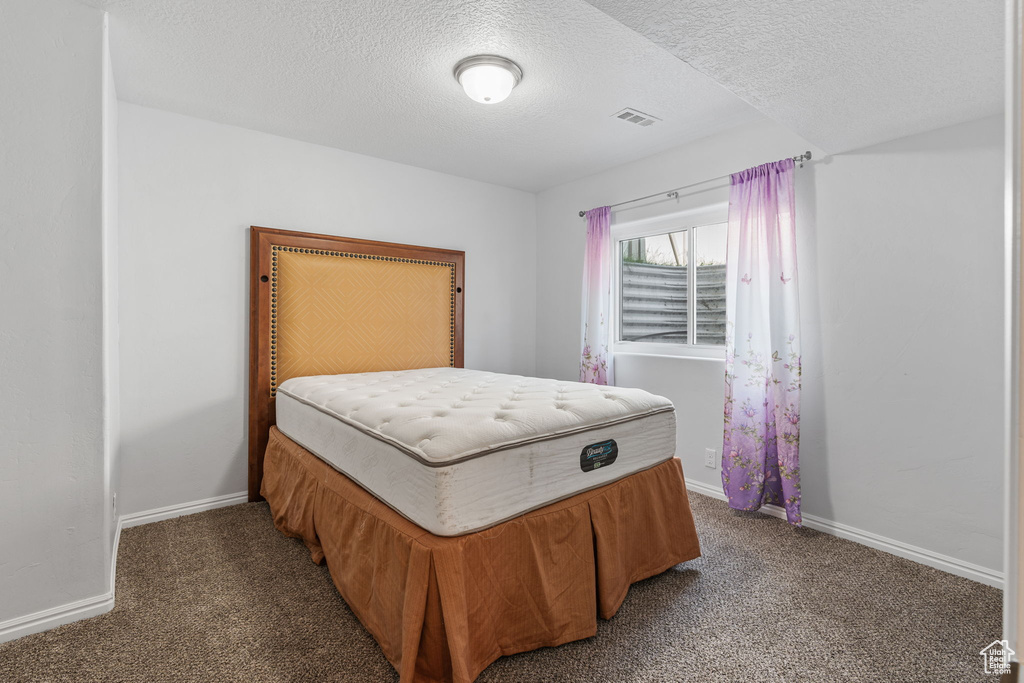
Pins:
x: 488, y: 79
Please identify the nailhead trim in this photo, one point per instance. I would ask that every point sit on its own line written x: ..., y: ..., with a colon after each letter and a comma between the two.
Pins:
x: 343, y: 254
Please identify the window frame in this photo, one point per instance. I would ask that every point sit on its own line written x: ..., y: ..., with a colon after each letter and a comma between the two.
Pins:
x: 712, y: 214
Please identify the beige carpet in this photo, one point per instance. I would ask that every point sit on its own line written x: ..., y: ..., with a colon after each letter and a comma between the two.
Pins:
x: 222, y: 596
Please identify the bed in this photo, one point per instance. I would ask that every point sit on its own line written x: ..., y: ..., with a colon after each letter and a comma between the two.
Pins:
x: 463, y: 515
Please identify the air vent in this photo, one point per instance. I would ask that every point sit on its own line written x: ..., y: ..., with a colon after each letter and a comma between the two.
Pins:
x: 637, y: 117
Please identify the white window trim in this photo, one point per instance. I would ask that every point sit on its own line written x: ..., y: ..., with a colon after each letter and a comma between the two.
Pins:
x: 659, y: 225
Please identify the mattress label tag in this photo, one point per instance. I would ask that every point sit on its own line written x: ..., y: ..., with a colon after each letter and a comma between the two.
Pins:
x: 598, y: 455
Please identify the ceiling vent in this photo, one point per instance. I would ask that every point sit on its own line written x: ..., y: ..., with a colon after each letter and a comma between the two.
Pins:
x: 637, y: 117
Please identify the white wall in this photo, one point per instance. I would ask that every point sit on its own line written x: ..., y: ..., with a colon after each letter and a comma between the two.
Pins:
x: 55, y: 531
x: 189, y: 191
x: 900, y: 249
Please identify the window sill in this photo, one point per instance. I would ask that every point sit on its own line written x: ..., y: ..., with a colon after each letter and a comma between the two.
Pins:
x: 670, y: 350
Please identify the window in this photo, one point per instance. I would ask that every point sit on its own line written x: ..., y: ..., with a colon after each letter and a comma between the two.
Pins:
x: 672, y: 287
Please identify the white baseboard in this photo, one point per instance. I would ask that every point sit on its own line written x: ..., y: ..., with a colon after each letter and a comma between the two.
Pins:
x: 46, y: 619
x: 946, y: 563
x: 55, y: 616
x: 65, y: 614
x: 171, y: 511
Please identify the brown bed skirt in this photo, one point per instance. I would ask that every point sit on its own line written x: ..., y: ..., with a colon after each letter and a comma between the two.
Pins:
x: 443, y: 608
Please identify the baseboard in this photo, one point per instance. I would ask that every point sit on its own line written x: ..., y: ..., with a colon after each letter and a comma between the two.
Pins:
x: 56, y: 616
x: 65, y: 614
x: 952, y: 565
x: 90, y: 607
x: 171, y: 511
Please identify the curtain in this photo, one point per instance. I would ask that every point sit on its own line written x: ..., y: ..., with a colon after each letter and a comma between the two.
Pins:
x: 760, y: 454
x: 596, y: 361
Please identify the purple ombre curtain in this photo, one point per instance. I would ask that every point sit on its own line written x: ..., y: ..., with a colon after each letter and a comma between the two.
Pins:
x: 596, y: 361
x: 760, y: 454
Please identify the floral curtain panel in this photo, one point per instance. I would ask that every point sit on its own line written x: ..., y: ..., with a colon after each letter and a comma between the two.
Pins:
x: 760, y: 454
x: 596, y: 361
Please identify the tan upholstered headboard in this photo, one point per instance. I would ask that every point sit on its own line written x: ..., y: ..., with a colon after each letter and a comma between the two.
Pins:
x: 322, y: 305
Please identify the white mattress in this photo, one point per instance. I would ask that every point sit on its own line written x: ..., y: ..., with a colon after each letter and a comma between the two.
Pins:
x: 457, y: 451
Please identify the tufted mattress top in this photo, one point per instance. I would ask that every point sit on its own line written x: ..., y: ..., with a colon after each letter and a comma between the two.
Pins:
x: 457, y: 450
x: 445, y: 415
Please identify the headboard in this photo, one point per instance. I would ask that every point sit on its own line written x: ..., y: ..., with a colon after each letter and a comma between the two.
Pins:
x: 322, y: 305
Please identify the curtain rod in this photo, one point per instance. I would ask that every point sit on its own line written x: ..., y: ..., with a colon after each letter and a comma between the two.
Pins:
x: 674, y: 193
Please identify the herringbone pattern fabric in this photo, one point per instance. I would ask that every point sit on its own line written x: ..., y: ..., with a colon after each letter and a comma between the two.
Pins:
x: 337, y: 313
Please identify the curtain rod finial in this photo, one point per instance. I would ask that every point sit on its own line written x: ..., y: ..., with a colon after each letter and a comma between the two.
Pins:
x: 582, y: 214
x: 806, y: 156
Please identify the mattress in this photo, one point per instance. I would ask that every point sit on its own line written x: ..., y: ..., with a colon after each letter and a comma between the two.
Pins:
x: 456, y: 451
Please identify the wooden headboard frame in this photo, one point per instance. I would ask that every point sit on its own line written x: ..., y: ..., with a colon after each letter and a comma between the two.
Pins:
x: 264, y: 244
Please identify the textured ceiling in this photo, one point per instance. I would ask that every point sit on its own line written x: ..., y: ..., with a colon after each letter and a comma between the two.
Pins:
x: 842, y: 75
x: 375, y: 77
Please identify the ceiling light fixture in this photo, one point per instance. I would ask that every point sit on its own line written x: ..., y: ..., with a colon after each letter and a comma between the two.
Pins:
x: 488, y: 79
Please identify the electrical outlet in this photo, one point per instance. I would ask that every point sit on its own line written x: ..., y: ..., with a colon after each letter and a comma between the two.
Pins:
x: 710, y: 458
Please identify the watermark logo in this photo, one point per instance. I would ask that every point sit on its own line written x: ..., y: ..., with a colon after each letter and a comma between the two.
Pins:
x: 997, y: 657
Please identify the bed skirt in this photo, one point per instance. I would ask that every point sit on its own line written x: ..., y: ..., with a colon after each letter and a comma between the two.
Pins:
x: 443, y: 608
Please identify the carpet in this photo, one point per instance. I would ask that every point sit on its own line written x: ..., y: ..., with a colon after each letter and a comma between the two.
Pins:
x: 222, y: 596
